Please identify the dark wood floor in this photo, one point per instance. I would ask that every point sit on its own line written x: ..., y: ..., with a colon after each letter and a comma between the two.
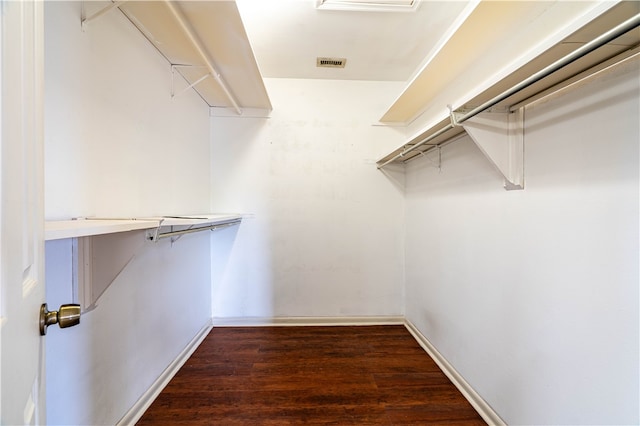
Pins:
x: 370, y: 375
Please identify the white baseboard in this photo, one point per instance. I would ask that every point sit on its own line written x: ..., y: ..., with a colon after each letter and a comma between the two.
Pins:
x: 135, y: 413
x: 306, y: 321
x: 481, y: 406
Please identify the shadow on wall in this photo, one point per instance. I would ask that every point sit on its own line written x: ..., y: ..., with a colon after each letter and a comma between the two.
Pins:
x: 242, y: 259
x: 241, y: 286
x: 63, y: 344
x: 143, y: 320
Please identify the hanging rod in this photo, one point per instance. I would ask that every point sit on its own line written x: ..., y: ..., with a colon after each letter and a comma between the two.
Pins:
x: 196, y: 43
x: 585, y: 49
x: 155, y: 235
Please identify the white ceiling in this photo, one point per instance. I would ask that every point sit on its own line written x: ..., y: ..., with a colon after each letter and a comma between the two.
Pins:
x: 288, y: 35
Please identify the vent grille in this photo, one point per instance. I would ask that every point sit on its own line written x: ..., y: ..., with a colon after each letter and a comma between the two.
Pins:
x: 331, y: 62
x: 368, y: 5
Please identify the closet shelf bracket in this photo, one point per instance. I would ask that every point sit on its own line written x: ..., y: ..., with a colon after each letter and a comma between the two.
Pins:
x: 197, y: 45
x: 500, y: 137
x: 86, y: 19
x: 174, y: 67
x: 495, y: 121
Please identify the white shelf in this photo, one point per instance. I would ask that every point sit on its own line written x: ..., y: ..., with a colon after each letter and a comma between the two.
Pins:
x: 59, y: 229
x: 611, y: 38
x: 206, y: 44
x: 98, y: 261
x: 86, y: 227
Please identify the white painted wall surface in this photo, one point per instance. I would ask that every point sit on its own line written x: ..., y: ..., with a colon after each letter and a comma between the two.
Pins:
x: 150, y: 312
x: 326, y: 235
x: 533, y: 295
x: 117, y: 145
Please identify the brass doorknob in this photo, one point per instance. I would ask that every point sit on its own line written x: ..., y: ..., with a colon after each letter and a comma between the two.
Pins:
x: 67, y: 316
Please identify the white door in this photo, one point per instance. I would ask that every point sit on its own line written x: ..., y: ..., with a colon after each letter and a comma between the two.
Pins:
x: 21, y: 213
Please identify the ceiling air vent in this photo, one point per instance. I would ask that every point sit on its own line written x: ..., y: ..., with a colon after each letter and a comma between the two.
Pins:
x: 368, y: 5
x: 331, y: 62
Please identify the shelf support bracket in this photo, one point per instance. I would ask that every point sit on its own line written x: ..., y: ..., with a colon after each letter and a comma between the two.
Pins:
x: 190, y: 86
x: 86, y: 19
x: 438, y: 163
x: 195, y: 41
x: 500, y: 137
x: 91, y: 278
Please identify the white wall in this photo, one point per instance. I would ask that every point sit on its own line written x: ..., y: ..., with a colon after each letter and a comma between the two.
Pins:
x: 117, y: 145
x: 325, y: 238
x: 533, y: 295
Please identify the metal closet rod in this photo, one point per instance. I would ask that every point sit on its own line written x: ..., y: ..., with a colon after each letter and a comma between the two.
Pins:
x: 201, y: 228
x: 589, y: 47
x: 196, y: 43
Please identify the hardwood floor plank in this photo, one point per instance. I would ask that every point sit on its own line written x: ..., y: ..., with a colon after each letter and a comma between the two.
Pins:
x: 392, y: 381
x: 367, y: 375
